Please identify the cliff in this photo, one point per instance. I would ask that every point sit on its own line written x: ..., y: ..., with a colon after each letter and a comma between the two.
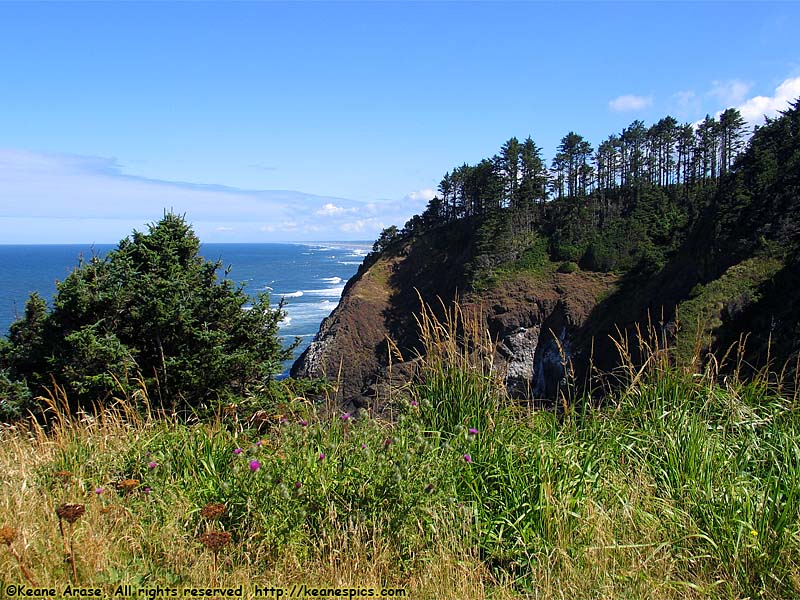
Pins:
x: 529, y: 316
x: 702, y: 264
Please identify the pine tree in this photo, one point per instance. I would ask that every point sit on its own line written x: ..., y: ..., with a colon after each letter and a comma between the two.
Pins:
x: 152, y: 308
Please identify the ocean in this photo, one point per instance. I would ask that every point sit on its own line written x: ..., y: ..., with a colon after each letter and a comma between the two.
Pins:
x: 310, y: 276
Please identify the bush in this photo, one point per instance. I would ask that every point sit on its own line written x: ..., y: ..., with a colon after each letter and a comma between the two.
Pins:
x: 152, y: 314
x: 568, y: 267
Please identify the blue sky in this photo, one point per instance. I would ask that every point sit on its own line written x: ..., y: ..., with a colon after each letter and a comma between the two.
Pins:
x: 326, y: 121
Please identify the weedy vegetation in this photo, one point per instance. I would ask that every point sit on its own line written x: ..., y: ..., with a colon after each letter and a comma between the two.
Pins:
x: 677, y: 485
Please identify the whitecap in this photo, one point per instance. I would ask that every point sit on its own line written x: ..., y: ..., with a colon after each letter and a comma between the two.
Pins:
x: 333, y: 292
x: 296, y: 294
x: 332, y: 279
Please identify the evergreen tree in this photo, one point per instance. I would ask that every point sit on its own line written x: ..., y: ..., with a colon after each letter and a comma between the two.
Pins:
x: 508, y: 170
x: 573, y: 155
x: 533, y: 175
x: 152, y: 308
x: 731, y: 136
x: 707, y: 136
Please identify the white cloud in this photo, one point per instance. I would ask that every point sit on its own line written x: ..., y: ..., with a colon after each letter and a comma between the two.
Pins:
x: 630, y: 102
x: 362, y: 225
x: 330, y: 210
x: 729, y: 93
x: 62, y: 198
x: 755, y: 109
x: 686, y: 104
x: 425, y: 195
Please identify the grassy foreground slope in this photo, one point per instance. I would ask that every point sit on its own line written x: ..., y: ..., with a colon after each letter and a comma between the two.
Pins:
x: 681, y: 486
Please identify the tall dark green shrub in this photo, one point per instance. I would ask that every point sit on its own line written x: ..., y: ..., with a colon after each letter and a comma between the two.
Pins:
x: 152, y: 311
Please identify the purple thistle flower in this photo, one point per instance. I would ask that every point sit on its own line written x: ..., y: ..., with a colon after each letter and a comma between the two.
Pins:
x: 152, y: 464
x: 473, y: 431
x: 345, y: 417
x: 414, y: 403
x: 238, y: 451
x: 146, y: 489
x: 303, y: 423
x: 259, y: 443
x: 98, y: 490
x: 467, y: 458
x: 321, y: 456
x: 255, y: 465
x: 298, y: 485
x: 388, y: 442
x: 364, y: 446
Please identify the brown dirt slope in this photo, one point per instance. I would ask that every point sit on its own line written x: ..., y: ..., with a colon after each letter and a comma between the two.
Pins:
x: 523, y: 314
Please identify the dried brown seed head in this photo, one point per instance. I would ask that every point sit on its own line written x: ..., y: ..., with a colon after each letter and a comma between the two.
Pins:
x: 214, y: 540
x: 127, y: 485
x: 7, y: 535
x: 213, y: 511
x: 70, y: 512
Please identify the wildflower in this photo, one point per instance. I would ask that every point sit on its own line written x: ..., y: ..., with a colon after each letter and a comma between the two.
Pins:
x: 298, y: 485
x: 214, y: 540
x: 152, y: 464
x: 388, y: 442
x: 146, y: 489
x: 238, y: 451
x: 303, y: 423
x: 212, y: 511
x: 259, y: 443
x: 321, y: 456
x: 467, y: 458
x: 473, y: 431
x: 70, y: 512
x: 255, y: 465
x: 753, y: 532
x: 429, y: 488
x: 98, y: 490
x: 414, y: 403
x: 363, y: 446
x: 128, y: 485
x: 7, y: 535
x: 345, y: 417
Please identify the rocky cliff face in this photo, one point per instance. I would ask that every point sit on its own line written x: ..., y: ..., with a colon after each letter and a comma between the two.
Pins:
x: 535, y: 320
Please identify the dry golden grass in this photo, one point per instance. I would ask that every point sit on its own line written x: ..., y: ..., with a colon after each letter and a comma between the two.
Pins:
x: 636, y: 500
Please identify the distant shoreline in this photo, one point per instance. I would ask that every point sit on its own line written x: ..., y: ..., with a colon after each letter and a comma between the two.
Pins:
x: 333, y: 244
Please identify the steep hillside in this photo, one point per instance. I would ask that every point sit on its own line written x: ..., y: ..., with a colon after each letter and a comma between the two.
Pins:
x: 529, y: 316
x: 703, y: 263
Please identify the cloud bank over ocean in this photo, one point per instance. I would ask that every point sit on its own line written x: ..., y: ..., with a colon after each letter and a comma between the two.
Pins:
x: 65, y: 198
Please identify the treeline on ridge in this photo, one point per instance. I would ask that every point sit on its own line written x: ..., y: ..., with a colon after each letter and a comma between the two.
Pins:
x: 622, y: 206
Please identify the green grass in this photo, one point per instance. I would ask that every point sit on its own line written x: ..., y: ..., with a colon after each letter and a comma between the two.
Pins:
x: 704, y: 311
x: 679, y: 486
